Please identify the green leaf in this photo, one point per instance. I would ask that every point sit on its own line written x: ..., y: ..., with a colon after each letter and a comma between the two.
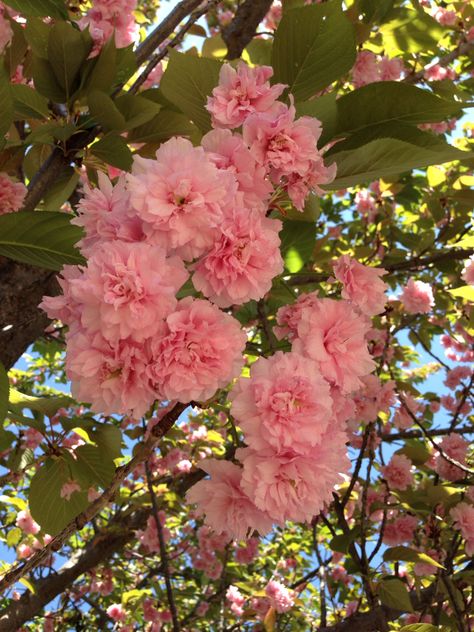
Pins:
x: 47, y: 507
x: 390, y: 101
x: 6, y: 103
x: 410, y: 31
x: 40, y: 8
x: 113, y: 150
x: 126, y: 64
x: 466, y: 291
x: 45, y: 80
x: 4, y: 392
x: 47, y: 405
x: 297, y: 243
x: 109, y: 440
x: 14, y: 536
x: 40, y: 238
x: 61, y: 189
x: 28, y: 103
x: 94, y: 464
x: 162, y: 127
x: 187, y: 83
x: 7, y: 439
x: 313, y: 46
x: 67, y: 50
x: 325, y: 110
x: 394, y: 594
x: 104, y: 111
x: 136, y: 110
x: 102, y: 70
x: 385, y: 157
x: 37, y: 35
x: 405, y: 554
x: 419, y: 627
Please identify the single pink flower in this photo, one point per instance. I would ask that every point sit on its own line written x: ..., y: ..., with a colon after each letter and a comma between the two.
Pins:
x: 366, y: 69
x: 400, y: 530
x: 241, y: 92
x: 288, y: 317
x: 468, y: 271
x: 463, y: 517
x: 398, y: 472
x: 455, y: 447
x: 362, y: 285
x: 286, y: 404
x: 26, y: 523
x: 69, y: 488
x: 391, y: 69
x: 417, y: 297
x: 281, y: 598
x: 12, y: 194
x: 225, y: 504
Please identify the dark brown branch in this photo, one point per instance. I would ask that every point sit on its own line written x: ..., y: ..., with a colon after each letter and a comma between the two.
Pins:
x: 241, y: 30
x: 417, y: 434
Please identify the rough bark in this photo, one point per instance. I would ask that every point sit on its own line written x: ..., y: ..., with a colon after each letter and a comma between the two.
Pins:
x: 241, y: 30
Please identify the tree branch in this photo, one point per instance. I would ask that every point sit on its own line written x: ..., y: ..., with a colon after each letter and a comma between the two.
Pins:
x: 241, y: 30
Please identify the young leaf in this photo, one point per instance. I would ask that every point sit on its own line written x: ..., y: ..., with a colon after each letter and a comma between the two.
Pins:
x: 394, y: 594
x: 103, y: 69
x: 405, y: 554
x: 45, y: 80
x: 28, y: 103
x: 104, y: 111
x: 136, y: 110
x: 113, y: 150
x: 409, y: 31
x: 40, y: 238
x: 40, y: 8
x: 297, y: 243
x: 67, y: 50
x: 187, y: 83
x: 46, y: 405
x: 162, y: 127
x: 313, y: 46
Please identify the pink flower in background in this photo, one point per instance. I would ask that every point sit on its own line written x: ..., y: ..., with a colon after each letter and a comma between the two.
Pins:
x: 299, y: 186
x: 242, y: 92
x: 366, y: 69
x: 199, y: 352
x: 128, y: 289
x: 111, y: 17
x: 154, y: 77
x: 64, y: 306
x: 398, y: 472
x: 436, y: 72
x: 333, y: 334
x: 180, y: 197
x: 12, y: 194
x: 362, y: 285
x: 288, y: 317
x: 417, y: 297
x: 285, y: 404
x: 273, y: 16
x: 243, y: 260
x: 229, y: 152
x: 68, y: 489
x: 281, y: 598
x: 391, y: 69
x: 116, y: 612
x: 290, y: 486
x: 463, y: 517
x: 365, y: 204
x: 400, y: 530
x: 25, y: 522
x: 444, y: 16
x: 468, y: 271
x: 454, y: 446
x: 105, y: 214
x: 109, y: 376
x: 225, y: 504
x: 6, y: 32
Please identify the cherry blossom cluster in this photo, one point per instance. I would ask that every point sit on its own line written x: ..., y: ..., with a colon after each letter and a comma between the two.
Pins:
x: 370, y: 68
x: 199, y: 211
x: 12, y: 194
x: 107, y: 18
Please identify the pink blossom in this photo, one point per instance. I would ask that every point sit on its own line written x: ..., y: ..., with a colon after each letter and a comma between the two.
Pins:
x: 333, y: 334
x: 288, y: 317
x: 233, y: 595
x: 154, y: 77
x: 111, y: 17
x: 468, y: 271
x: 229, y: 152
x: 12, y: 194
x: 116, y: 612
x: 109, y: 376
x: 180, y: 197
x: 63, y: 306
x: 273, y: 16
x: 400, y: 530
x: 222, y: 499
x: 366, y: 69
x: 398, y: 472
x: 285, y: 404
x: 362, y: 285
x: 23, y: 551
x: 455, y: 376
x: 199, y: 352
x: 241, y: 92
x: 417, y: 297
x: 243, y: 260
x: 128, y: 289
x: 294, y: 487
x: 436, y: 72
x: 445, y: 17
x: 454, y: 446
x: 425, y: 568
x: 391, y: 69
x: 463, y: 517
x: 365, y: 204
x: 281, y: 598
x: 6, y: 33
x: 105, y: 214
x: 69, y: 488
x: 25, y: 522
x: 247, y: 553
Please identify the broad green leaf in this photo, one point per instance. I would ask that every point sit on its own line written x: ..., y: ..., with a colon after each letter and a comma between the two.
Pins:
x: 259, y: 52
x: 4, y: 392
x: 37, y: 35
x: 40, y: 8
x: 187, y: 83
x: 104, y: 111
x: 40, y: 238
x: 410, y: 31
x: 16, y: 501
x: 297, y: 243
x: 385, y: 157
x: 7, y: 439
x: 136, y: 110
x: 61, y: 189
x: 390, y: 101
x: 126, y: 64
x: 113, y: 150
x: 109, y: 440
x: 47, y: 507
x: 214, y: 47
x: 99, y: 73
x: 6, y: 104
x: 28, y: 103
x: 405, y: 554
x: 466, y: 291
x: 313, y: 46
x: 14, y: 536
x: 16, y: 51
x: 162, y: 127
x: 46, y: 405
x: 394, y: 594
x: 45, y: 80
x: 375, y: 10
x: 325, y: 110
x: 94, y: 464
x: 67, y: 50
